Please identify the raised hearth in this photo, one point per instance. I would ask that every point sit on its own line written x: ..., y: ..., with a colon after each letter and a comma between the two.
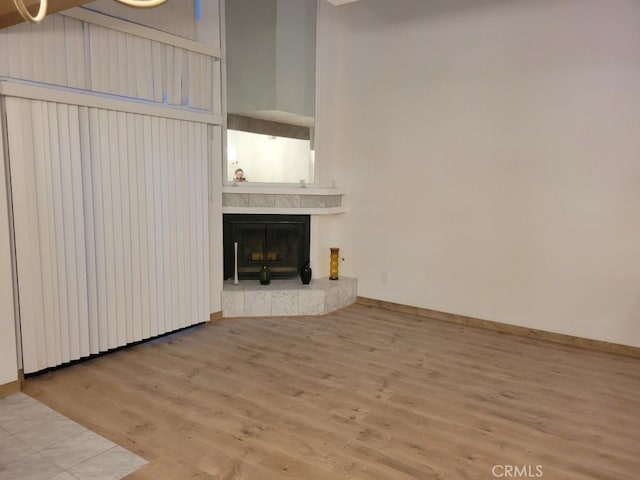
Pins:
x: 287, y: 297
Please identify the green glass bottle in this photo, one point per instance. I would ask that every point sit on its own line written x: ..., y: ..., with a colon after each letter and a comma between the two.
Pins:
x: 265, y: 275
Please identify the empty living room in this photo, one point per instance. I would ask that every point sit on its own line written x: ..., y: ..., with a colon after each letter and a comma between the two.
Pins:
x: 319, y: 239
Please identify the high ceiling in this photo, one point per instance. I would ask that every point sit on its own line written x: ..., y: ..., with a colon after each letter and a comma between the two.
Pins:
x: 10, y: 16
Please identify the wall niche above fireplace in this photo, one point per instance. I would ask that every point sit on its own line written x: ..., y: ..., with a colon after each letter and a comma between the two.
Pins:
x: 279, y: 241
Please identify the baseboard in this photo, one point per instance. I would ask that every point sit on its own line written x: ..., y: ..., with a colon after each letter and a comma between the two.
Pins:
x: 9, y: 388
x: 215, y: 316
x: 597, y: 345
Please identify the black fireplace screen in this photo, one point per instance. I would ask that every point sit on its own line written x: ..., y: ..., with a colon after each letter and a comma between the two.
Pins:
x: 280, y: 242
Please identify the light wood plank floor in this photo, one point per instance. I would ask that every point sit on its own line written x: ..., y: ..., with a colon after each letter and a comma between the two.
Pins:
x: 363, y: 393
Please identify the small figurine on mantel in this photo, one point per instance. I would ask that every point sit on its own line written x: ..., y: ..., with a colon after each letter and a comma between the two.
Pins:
x: 239, y: 176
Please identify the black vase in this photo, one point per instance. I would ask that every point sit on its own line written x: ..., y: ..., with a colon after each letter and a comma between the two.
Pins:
x: 305, y: 274
x: 265, y: 276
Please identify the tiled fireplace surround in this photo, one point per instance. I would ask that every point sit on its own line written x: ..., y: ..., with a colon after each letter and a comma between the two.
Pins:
x: 285, y: 297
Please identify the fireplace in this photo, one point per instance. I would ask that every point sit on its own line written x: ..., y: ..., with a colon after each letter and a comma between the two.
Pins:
x: 280, y: 242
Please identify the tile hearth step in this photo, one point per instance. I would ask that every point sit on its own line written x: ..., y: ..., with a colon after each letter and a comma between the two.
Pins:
x: 287, y: 297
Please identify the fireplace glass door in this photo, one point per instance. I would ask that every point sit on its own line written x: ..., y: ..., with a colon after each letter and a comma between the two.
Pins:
x: 281, y: 242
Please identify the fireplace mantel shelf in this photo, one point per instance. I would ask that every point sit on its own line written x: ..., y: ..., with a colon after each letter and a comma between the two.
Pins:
x: 285, y: 210
x: 282, y: 200
x: 266, y: 190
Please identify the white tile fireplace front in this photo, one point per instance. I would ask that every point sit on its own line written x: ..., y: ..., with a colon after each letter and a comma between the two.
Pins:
x: 287, y: 297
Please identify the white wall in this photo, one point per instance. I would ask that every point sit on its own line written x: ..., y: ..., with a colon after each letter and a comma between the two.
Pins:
x: 8, y: 357
x: 491, y: 153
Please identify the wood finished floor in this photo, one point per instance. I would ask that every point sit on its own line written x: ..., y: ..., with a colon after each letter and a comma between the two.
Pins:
x: 362, y: 393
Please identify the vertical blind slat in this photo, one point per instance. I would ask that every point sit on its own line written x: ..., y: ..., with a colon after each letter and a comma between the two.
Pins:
x: 61, y: 333
x: 109, y: 248
x: 168, y: 212
x: 158, y: 76
x: 174, y: 222
x: 27, y: 245
x: 158, y: 240
x: 95, y: 65
x: 167, y: 73
x: 116, y: 219
x: 201, y: 228
x: 134, y: 328
x: 185, y: 169
x: 48, y: 239
x: 125, y: 216
x: 89, y: 231
x: 148, y: 204
x: 193, y: 229
x: 96, y: 141
x: 112, y: 56
x: 70, y: 336
x: 205, y: 163
x: 44, y: 202
x: 58, y: 46
x: 80, y: 228
x: 33, y: 39
x: 74, y: 46
x: 181, y: 214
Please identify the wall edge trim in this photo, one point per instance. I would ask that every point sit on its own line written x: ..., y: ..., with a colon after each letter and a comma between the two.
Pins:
x: 533, y: 333
x: 10, y: 388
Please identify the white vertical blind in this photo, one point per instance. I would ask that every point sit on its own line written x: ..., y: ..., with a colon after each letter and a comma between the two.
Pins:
x: 72, y: 53
x: 111, y: 219
x: 150, y: 69
x: 51, y: 52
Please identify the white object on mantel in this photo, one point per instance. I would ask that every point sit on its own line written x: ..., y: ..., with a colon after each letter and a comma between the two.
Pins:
x: 235, y: 264
x: 340, y: 2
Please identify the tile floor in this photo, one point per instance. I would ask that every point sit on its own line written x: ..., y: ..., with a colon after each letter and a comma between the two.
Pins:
x: 37, y: 443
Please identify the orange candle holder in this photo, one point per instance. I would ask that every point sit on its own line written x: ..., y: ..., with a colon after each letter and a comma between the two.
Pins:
x: 333, y: 265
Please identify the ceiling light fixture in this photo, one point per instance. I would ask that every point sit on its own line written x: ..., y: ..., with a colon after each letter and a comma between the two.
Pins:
x: 42, y: 10
x: 24, y: 13
x: 141, y: 3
